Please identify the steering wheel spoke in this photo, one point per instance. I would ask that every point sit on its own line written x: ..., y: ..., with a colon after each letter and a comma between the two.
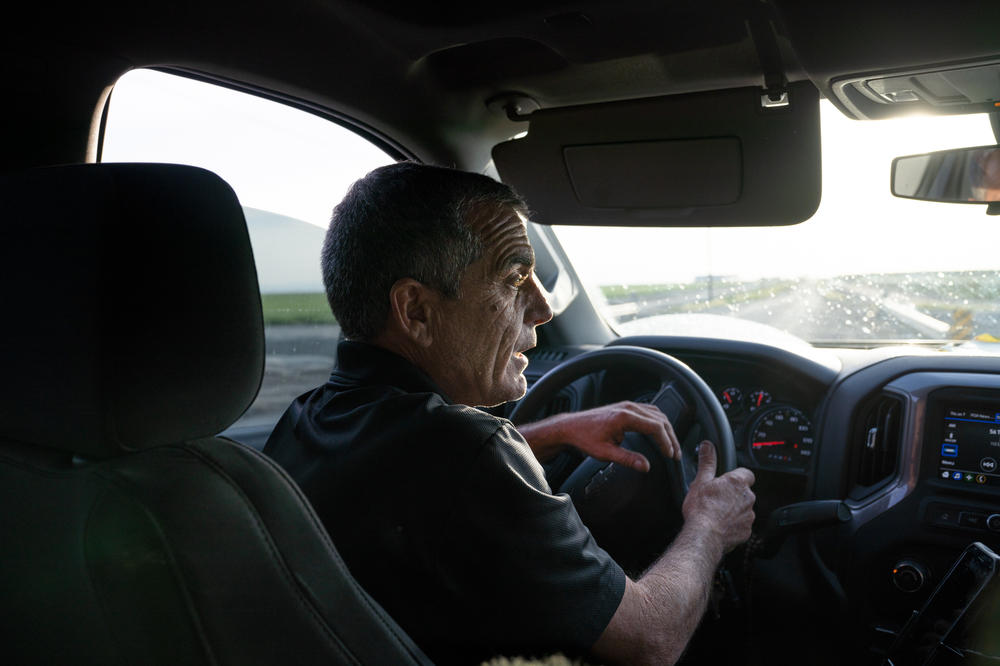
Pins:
x: 671, y: 402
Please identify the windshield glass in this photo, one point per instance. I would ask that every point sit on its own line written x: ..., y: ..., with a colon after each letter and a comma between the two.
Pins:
x: 867, y: 269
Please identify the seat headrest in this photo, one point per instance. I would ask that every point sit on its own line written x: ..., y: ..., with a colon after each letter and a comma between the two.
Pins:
x: 132, y: 314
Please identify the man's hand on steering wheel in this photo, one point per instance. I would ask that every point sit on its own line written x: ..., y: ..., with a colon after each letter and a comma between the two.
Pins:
x: 598, y: 433
x: 631, y: 514
x: 721, y: 506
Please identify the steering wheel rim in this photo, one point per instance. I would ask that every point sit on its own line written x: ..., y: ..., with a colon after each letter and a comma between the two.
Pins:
x: 633, y: 515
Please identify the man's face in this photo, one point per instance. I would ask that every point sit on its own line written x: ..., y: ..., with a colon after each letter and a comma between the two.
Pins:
x: 989, y: 164
x: 480, y: 337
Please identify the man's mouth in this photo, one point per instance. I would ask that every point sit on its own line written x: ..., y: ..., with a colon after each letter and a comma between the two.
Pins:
x: 520, y: 354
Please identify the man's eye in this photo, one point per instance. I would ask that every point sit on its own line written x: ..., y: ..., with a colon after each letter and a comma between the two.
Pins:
x: 519, y: 280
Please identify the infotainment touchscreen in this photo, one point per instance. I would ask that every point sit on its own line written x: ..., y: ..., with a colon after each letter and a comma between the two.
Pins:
x: 969, y: 452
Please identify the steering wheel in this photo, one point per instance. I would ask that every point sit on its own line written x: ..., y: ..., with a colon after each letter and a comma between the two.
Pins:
x: 634, y: 515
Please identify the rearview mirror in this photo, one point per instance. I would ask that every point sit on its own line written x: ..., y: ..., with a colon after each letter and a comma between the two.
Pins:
x: 963, y: 175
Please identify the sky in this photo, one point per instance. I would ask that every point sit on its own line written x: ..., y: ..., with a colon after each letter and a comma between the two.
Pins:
x: 276, y: 158
x: 290, y: 162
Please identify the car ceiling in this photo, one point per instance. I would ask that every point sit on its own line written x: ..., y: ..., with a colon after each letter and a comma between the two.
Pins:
x: 422, y: 72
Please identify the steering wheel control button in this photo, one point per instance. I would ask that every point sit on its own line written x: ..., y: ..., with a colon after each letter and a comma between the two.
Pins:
x: 972, y: 520
x: 597, y: 481
x: 988, y: 464
x: 909, y: 576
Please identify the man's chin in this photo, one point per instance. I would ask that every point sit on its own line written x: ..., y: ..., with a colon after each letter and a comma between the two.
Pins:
x: 511, y: 391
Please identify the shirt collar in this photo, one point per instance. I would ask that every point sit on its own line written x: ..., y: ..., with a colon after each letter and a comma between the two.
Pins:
x: 370, y: 364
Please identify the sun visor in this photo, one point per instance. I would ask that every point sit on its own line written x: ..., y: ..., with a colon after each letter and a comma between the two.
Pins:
x: 724, y: 158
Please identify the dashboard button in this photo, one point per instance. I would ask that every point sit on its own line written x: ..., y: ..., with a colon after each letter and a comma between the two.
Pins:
x: 973, y: 520
x: 909, y: 576
x: 942, y: 515
x: 993, y: 522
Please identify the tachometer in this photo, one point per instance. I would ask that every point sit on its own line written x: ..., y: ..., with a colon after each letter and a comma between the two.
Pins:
x: 781, y: 437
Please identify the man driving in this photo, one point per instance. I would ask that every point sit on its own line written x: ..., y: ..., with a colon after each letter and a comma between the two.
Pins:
x: 441, y: 510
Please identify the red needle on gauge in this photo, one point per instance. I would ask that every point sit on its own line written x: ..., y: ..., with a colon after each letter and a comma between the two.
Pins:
x: 775, y: 443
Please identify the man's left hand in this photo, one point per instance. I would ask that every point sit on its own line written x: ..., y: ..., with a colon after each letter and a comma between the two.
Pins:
x: 599, y: 432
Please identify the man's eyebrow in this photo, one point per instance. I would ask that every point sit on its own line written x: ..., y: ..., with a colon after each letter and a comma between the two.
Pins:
x: 523, y: 258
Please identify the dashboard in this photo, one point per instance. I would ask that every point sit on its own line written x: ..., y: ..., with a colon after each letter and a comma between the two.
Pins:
x: 908, y: 439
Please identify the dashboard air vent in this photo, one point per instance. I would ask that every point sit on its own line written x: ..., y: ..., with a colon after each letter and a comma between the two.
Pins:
x: 876, y: 443
x: 548, y: 355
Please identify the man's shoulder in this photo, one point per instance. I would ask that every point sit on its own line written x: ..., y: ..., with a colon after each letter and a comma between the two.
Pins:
x: 386, y: 409
x: 470, y: 437
x: 474, y: 421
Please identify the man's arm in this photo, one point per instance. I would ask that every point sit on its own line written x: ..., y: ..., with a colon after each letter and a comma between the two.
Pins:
x: 659, y: 612
x: 598, y: 432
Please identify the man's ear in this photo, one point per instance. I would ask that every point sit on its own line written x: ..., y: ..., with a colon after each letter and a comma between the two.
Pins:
x: 411, y: 308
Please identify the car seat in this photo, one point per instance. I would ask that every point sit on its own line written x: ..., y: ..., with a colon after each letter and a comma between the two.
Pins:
x: 130, y: 532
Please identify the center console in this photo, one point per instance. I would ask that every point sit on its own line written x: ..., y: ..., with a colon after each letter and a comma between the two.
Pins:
x: 944, y: 496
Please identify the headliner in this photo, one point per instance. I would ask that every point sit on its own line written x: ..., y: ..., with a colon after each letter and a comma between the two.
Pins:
x: 446, y: 59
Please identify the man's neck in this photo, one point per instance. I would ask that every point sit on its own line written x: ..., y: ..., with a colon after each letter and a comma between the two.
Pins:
x: 417, y: 355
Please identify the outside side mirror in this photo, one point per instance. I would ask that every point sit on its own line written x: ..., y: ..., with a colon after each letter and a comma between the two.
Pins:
x: 962, y: 175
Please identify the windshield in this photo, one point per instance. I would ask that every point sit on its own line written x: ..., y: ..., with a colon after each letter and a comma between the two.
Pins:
x: 867, y: 269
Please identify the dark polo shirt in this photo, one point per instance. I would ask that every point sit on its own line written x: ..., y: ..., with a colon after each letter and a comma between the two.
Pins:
x: 443, y: 514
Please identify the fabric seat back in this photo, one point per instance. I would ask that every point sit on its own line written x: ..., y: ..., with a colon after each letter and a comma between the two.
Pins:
x: 130, y: 532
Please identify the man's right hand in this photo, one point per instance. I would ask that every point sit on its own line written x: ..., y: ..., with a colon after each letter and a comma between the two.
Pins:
x: 659, y: 612
x: 721, y: 505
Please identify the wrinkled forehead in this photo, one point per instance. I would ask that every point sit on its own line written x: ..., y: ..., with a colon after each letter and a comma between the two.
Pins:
x: 503, y: 233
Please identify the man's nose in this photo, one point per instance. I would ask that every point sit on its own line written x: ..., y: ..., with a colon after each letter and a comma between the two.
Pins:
x: 538, y: 311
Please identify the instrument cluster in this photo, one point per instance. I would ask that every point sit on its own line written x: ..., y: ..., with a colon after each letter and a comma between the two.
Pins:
x: 774, y: 434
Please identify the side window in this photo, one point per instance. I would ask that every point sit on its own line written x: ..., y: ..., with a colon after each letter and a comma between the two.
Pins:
x: 288, y: 168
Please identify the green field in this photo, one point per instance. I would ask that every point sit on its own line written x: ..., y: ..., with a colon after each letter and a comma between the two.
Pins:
x: 622, y: 291
x: 282, y: 309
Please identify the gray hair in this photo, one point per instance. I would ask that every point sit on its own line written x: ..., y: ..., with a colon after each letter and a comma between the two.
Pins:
x: 402, y: 220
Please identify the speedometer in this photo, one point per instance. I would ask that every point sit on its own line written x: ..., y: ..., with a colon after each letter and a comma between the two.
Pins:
x: 781, y: 437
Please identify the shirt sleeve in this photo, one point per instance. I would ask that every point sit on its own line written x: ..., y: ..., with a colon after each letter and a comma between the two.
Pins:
x: 523, y: 555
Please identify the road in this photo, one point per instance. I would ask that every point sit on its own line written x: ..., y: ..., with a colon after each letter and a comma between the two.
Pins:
x: 299, y: 357
x: 831, y: 309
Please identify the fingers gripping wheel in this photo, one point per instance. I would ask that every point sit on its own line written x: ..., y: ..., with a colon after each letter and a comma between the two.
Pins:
x: 634, y: 515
